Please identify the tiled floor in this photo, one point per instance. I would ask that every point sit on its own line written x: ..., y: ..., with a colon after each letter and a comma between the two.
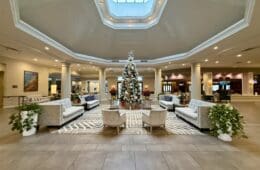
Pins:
x: 141, y: 152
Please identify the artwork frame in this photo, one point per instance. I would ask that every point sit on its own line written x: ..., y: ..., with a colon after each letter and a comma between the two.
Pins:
x: 31, y: 81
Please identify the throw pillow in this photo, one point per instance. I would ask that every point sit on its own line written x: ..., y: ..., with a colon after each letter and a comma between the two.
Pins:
x: 88, y: 98
x: 168, y: 98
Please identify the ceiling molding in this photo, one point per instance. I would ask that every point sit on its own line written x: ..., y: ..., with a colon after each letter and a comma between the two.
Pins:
x: 242, y: 24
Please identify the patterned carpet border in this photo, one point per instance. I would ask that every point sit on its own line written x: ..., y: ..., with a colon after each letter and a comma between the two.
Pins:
x: 91, y: 123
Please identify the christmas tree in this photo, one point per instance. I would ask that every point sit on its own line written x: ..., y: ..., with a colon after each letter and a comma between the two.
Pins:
x: 130, y: 89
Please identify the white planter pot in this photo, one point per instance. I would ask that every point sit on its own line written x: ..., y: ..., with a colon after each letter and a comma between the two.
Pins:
x: 225, y: 137
x: 35, y: 120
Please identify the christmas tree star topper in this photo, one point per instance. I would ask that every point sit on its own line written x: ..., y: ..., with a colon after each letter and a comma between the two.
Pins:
x: 131, y: 55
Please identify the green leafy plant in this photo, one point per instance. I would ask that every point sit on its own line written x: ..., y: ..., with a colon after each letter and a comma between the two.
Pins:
x: 28, y: 123
x: 75, y: 98
x: 225, y: 119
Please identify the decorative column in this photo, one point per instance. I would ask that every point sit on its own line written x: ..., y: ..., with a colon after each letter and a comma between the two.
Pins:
x: 158, y: 82
x: 102, y: 84
x: 65, y: 80
x: 248, y: 84
x: 207, y: 83
x: 195, y: 81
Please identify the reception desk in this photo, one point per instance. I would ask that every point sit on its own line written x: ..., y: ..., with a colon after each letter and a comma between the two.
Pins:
x: 245, y: 98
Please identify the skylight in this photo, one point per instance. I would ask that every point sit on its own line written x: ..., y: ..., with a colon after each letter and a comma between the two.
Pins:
x: 130, y: 8
x: 131, y: 1
x: 130, y: 14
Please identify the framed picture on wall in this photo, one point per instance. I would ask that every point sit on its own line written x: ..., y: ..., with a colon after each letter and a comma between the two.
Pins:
x: 30, y: 81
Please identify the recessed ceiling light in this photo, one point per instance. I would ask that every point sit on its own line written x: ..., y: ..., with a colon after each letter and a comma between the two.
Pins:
x: 215, y: 48
x: 216, y: 62
x: 56, y: 60
x: 46, y: 48
x: 166, y: 67
x: 239, y: 55
x: 249, y: 62
x: 78, y: 65
x: 183, y: 64
x: 35, y: 59
x: 206, y: 60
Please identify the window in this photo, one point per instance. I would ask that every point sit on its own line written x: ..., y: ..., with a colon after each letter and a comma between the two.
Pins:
x: 130, y: 14
x: 130, y: 8
x: 131, y: 1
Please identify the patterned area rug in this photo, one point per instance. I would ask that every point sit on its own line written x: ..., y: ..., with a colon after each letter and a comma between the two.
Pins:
x: 91, y: 123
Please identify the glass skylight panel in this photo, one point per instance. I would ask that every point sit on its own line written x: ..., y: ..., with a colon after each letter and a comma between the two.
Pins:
x: 131, y: 1
x: 130, y: 8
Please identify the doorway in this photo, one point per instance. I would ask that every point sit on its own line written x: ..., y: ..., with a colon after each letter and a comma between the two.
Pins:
x: 1, y: 88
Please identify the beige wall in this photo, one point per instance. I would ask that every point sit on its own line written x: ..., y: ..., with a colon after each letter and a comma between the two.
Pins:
x: 2, y: 66
x: 147, y: 81
x: 150, y: 82
x: 111, y: 81
x: 1, y: 88
x: 14, y: 75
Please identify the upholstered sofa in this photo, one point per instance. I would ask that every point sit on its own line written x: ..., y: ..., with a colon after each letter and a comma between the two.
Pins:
x: 36, y: 99
x: 89, y: 101
x: 169, y: 101
x: 196, y: 113
x: 58, y: 112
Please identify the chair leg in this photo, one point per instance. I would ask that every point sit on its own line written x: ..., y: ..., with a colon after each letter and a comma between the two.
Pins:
x: 151, y: 129
x: 117, y: 129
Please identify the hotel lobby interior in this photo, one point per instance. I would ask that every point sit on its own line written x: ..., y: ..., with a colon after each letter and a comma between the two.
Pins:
x: 129, y: 84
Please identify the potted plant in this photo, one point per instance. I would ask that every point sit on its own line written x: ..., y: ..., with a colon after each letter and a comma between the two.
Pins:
x: 226, y: 122
x: 25, y: 120
x: 75, y: 98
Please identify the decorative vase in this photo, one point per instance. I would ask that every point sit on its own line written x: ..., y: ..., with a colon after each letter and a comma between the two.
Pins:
x: 32, y: 131
x: 225, y: 137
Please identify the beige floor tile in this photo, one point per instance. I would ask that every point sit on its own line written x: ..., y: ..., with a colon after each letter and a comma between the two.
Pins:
x: 119, y: 161
x: 150, y: 161
x: 181, y: 161
x: 89, y: 161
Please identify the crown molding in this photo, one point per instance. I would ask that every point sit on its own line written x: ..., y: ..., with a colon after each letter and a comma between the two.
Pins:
x: 242, y: 24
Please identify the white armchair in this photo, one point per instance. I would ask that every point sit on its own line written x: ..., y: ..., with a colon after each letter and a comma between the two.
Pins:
x: 156, y: 118
x: 113, y: 118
